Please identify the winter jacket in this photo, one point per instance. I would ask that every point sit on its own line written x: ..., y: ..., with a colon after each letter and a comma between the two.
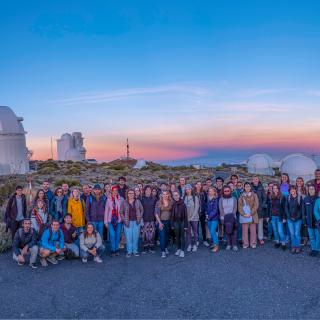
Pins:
x: 179, y: 213
x: 123, y: 191
x: 67, y: 233
x: 203, y: 200
x: 22, y: 239
x: 50, y: 196
x: 308, y: 211
x: 12, y: 209
x: 149, y: 205
x: 139, y: 211
x: 212, y: 209
x: 54, y: 212
x: 316, y: 211
x: 50, y: 239
x: 95, y: 208
x: 262, y: 196
x: 227, y: 206
x: 77, y: 210
x: 181, y: 190
x: 253, y: 202
x: 193, y: 206
x: 294, y: 207
x: 119, y: 202
x: 276, y: 207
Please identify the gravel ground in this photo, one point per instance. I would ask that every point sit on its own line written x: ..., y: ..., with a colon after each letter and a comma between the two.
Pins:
x: 259, y: 284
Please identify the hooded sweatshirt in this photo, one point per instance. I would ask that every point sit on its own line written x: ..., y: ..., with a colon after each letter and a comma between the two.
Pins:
x: 193, y: 205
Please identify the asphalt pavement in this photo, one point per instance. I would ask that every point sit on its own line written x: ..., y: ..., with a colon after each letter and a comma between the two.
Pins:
x: 258, y: 284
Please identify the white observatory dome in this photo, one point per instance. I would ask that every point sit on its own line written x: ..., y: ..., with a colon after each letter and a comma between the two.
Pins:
x: 298, y: 165
x: 260, y: 164
x: 13, y: 150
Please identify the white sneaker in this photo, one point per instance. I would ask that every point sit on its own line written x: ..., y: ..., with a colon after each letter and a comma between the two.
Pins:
x: 235, y: 248
x: 206, y: 243
x: 195, y: 248
x: 177, y: 253
x: 163, y: 255
x: 189, y: 248
x: 197, y: 243
x: 84, y: 260
x: 167, y: 251
x: 228, y: 247
x: 97, y: 259
x: 181, y: 254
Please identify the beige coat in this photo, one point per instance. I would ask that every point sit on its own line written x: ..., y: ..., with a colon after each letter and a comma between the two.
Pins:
x: 253, y: 203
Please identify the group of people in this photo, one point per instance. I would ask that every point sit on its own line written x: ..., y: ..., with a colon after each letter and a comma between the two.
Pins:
x: 69, y: 224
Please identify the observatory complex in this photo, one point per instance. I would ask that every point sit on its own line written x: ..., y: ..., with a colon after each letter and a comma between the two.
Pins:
x: 13, y: 149
x: 70, y: 147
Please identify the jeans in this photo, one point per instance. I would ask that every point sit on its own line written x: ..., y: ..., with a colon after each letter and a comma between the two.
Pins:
x: 132, y: 236
x: 194, y: 226
x: 314, y: 237
x: 295, y: 232
x: 213, y: 225
x: 278, y: 232
x: 74, y: 248
x: 99, y: 225
x: 202, y: 220
x: 114, y: 236
x: 32, y: 252
x: 180, y: 235
x: 239, y: 228
x: 86, y: 254
x: 164, y: 234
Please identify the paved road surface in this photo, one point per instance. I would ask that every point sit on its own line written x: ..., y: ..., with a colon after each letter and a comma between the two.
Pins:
x: 265, y: 283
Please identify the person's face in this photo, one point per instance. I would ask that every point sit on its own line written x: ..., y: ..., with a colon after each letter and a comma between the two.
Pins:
x: 45, y: 185
x: 55, y: 226
x: 19, y: 192
x: 137, y: 192
x: 219, y: 183
x: 247, y: 188
x: 312, y: 190
x: 121, y: 182
x: 115, y: 192
x: 270, y: 187
x: 198, y: 186
x: 59, y: 192
x: 75, y: 194
x: 26, y: 225
x: 40, y: 204
x: 140, y: 186
x: 176, y: 196
x: 97, y: 192
x: 41, y: 194
x: 90, y: 229
x: 65, y: 187
x: 234, y: 180
x: 131, y: 195
x: 165, y: 195
x: 212, y: 193
x: 239, y: 186
x: 231, y: 186
x: 227, y: 191
x: 299, y: 182
x: 163, y: 187
x: 188, y: 192
x: 255, y: 180
x: 182, y: 181
x: 68, y: 219
x: 293, y: 192
x: 284, y: 178
x: 148, y: 192
x: 208, y: 183
x: 86, y: 189
x: 275, y: 189
x: 154, y: 192
x: 107, y: 188
x: 317, y: 175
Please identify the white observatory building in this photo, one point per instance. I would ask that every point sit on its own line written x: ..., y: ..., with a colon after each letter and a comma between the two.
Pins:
x: 70, y: 147
x: 13, y: 149
x: 260, y: 164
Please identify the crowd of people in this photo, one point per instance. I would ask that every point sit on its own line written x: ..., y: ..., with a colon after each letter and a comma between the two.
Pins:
x: 99, y: 220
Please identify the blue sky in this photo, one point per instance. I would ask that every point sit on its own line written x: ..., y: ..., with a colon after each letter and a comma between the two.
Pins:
x: 180, y: 78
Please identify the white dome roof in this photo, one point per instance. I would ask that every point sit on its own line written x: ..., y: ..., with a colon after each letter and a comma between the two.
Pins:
x: 73, y: 154
x: 260, y: 164
x: 9, y: 122
x: 298, y: 165
x: 66, y: 136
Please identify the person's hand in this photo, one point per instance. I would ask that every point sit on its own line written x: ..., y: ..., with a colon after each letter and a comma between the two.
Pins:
x: 58, y: 251
x: 94, y: 251
x: 74, y: 235
x: 21, y: 258
x: 106, y: 225
x: 161, y: 226
x: 284, y: 220
x: 247, y: 215
x: 24, y: 250
x: 207, y: 217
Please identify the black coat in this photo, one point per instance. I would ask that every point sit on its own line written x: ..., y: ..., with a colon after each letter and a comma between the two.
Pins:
x: 12, y: 209
x: 294, y: 208
x: 308, y: 211
x: 21, y: 239
x: 262, y: 196
x: 179, y: 213
x: 281, y: 203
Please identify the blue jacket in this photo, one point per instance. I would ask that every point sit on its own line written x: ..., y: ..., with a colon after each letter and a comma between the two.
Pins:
x: 53, y: 209
x: 50, y: 196
x: 316, y: 211
x: 50, y: 239
x: 95, y: 208
x: 308, y: 211
x: 212, y: 209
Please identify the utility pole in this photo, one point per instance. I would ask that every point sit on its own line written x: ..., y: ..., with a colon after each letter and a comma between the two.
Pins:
x: 128, y: 149
x: 51, y: 149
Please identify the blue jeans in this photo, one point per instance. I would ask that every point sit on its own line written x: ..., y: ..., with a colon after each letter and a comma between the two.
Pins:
x: 114, y: 236
x: 278, y: 232
x: 314, y: 237
x: 164, y: 234
x: 99, y: 225
x: 86, y: 254
x: 295, y: 232
x: 239, y: 229
x: 213, y: 225
x: 132, y: 236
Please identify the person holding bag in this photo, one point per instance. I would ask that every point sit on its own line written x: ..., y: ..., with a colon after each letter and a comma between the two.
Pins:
x: 248, y: 209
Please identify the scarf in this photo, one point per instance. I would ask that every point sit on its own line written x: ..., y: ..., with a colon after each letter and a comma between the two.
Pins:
x: 115, y: 212
x: 59, y: 200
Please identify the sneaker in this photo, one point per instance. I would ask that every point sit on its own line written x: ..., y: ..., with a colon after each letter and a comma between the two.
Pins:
x: 245, y: 247
x: 235, y: 248
x: 84, y: 260
x: 298, y: 250
x: 144, y: 251
x: 189, y: 248
x: 293, y: 250
x: 228, y: 247
x: 254, y: 246
x: 163, y: 254
x: 261, y: 242
x: 60, y: 257
x: 97, y: 259
x: 167, y: 251
x: 151, y: 250
x: 20, y: 263
x: 277, y: 245
x: 177, y: 253
x: 195, y: 248
x: 43, y: 262
x: 283, y: 247
x: 137, y: 254
x: 197, y: 243
x: 128, y: 255
x: 52, y: 260
x: 181, y: 254
x: 206, y: 243
x: 215, y: 249
x: 33, y: 266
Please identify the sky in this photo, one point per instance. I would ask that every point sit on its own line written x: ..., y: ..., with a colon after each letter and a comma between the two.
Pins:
x: 181, y: 79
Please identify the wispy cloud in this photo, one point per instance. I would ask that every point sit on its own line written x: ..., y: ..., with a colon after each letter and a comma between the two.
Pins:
x: 110, y: 95
x: 256, y: 92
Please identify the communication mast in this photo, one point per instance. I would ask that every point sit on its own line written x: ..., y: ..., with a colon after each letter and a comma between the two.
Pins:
x: 128, y: 149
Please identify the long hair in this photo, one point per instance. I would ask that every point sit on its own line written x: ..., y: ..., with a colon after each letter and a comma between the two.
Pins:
x: 162, y: 206
x: 285, y: 174
x: 273, y: 195
x: 45, y: 199
x: 94, y: 230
